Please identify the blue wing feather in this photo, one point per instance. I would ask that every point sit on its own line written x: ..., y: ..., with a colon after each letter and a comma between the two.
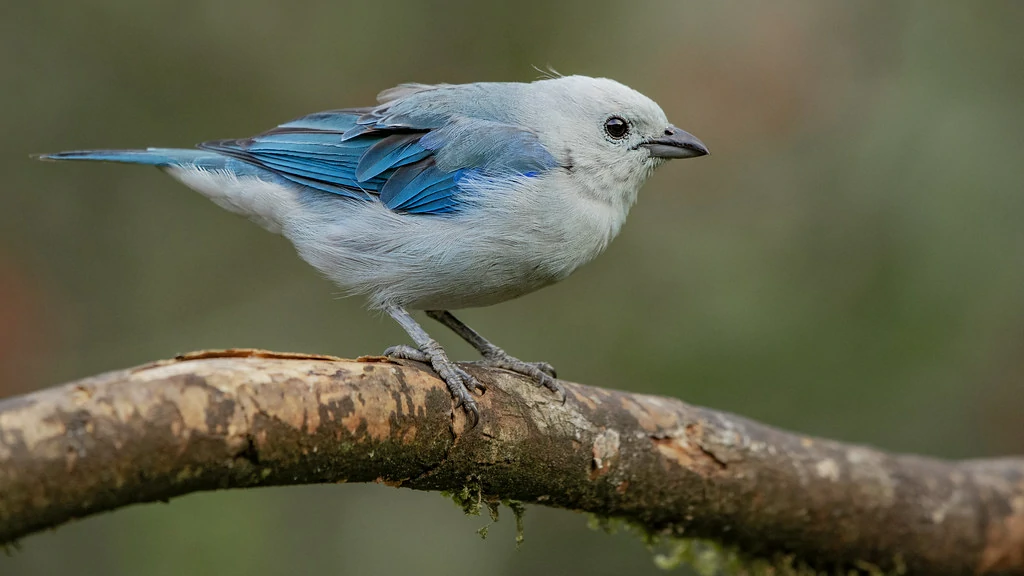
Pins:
x: 390, y: 152
x: 407, y: 187
x: 319, y: 185
x: 398, y: 182
x: 323, y: 173
x: 409, y: 153
x: 431, y: 193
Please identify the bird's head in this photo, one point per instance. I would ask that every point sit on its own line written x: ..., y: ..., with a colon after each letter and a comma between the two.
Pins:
x: 606, y: 133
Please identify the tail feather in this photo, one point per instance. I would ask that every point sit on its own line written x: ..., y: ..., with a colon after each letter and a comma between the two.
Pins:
x: 164, y: 157
x: 232, y: 184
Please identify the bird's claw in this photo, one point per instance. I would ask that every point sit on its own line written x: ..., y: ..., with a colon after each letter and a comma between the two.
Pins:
x: 461, y: 384
x: 545, y: 380
x: 464, y: 400
x: 406, y: 352
x: 468, y: 380
x: 541, y: 372
x: 545, y: 368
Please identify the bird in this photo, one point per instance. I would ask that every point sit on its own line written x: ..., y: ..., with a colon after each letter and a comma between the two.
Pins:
x: 442, y: 196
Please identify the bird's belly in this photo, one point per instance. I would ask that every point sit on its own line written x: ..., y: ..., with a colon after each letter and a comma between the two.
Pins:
x: 423, y: 262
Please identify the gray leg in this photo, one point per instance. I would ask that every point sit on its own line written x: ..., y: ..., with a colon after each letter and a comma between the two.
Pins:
x: 542, y: 372
x: 459, y: 382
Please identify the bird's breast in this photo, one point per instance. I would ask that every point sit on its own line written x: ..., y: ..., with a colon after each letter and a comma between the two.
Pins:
x: 542, y: 233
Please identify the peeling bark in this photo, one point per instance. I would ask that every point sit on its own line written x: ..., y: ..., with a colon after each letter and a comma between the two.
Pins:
x: 244, y: 418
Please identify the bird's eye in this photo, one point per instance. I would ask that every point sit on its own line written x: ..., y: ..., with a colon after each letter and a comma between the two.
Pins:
x: 616, y: 127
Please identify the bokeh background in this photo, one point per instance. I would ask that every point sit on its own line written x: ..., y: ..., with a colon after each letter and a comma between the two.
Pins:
x: 849, y: 262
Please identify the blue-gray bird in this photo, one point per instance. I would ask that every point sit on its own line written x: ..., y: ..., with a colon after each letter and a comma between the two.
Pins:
x: 442, y: 196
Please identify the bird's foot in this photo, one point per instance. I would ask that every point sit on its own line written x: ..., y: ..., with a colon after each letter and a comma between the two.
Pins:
x: 541, y: 372
x: 460, y: 383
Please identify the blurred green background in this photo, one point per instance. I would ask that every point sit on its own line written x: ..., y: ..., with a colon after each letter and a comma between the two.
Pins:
x: 849, y: 262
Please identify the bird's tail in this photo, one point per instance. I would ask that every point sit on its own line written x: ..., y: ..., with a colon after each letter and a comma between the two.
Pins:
x: 232, y: 184
x: 163, y: 157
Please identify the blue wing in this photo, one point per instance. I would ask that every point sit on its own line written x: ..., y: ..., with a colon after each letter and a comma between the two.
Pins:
x: 410, y: 161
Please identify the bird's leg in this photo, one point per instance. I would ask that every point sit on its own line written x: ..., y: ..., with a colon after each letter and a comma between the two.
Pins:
x: 460, y: 383
x: 542, y: 372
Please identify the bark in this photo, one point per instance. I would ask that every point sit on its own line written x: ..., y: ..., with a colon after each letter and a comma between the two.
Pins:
x: 244, y: 418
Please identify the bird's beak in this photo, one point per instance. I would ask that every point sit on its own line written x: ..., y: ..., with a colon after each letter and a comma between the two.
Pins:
x: 676, y: 143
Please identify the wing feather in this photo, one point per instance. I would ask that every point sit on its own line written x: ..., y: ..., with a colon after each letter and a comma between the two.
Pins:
x: 408, y: 153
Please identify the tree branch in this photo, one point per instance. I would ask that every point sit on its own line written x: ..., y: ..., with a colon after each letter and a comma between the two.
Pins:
x: 244, y: 418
